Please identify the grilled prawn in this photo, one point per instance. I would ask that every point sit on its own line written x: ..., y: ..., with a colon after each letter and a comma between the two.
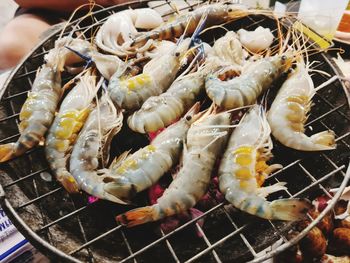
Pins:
x: 38, y: 110
x: 244, y: 90
x: 186, y: 24
x: 205, y: 140
x: 289, y: 112
x: 243, y: 170
x: 103, y: 123
x: 74, y: 110
x: 130, y: 92
x: 145, y: 167
x: 160, y: 111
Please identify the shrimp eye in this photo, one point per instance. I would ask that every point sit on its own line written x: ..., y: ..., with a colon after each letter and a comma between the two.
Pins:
x: 284, y: 57
x: 177, y: 54
x: 230, y: 10
x: 188, y: 118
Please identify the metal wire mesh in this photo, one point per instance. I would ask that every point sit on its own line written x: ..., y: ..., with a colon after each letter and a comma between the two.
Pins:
x: 72, y: 229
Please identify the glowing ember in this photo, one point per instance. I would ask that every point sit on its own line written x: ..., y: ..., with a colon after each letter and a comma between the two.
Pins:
x: 92, y: 199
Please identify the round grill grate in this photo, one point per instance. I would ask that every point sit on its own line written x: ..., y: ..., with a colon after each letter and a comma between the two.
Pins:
x: 69, y: 228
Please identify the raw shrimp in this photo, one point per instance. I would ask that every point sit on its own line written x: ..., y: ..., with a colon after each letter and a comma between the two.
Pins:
x: 120, y: 27
x: 289, y: 111
x: 145, y: 167
x: 205, y: 141
x: 38, y: 110
x: 160, y: 111
x: 158, y: 74
x: 255, y: 41
x: 243, y: 170
x: 244, y: 90
x: 101, y: 125
x: 62, y: 134
x: 186, y: 24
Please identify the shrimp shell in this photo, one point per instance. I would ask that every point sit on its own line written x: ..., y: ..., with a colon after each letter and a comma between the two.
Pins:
x: 160, y: 111
x: 289, y: 112
x: 103, y: 122
x: 243, y: 170
x: 205, y: 140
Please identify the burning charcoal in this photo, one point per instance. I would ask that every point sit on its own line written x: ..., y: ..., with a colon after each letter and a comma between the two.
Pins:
x: 314, y: 244
x: 339, y: 244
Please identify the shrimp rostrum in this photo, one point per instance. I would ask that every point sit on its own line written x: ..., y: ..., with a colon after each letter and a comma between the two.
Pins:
x: 93, y: 140
x: 243, y: 170
x: 145, y: 167
x: 205, y: 140
x: 289, y: 111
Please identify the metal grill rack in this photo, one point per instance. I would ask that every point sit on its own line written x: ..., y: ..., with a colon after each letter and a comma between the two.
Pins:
x: 68, y: 228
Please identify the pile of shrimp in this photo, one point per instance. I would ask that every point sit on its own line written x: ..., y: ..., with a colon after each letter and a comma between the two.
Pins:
x: 161, y: 76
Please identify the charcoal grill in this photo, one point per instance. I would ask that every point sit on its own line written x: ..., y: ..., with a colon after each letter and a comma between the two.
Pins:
x: 70, y: 229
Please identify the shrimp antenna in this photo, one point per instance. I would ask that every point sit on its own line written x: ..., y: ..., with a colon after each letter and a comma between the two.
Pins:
x: 216, y: 26
x: 198, y: 29
x: 240, y: 108
x: 329, y: 81
x: 217, y: 135
x: 91, y: 5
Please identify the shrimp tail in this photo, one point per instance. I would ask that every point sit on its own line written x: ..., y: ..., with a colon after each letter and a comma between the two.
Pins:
x: 290, y: 209
x: 325, y: 139
x: 138, y: 216
x: 68, y: 182
x: 7, y: 151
